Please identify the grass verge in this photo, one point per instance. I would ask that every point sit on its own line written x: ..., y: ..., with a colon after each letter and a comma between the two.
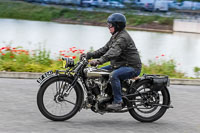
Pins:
x: 23, y: 10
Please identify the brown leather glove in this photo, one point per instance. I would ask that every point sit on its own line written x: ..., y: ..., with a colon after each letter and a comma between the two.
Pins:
x: 94, y: 62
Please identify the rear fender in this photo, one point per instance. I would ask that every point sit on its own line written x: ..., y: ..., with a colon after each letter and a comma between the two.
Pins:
x: 137, y: 82
x: 169, y: 99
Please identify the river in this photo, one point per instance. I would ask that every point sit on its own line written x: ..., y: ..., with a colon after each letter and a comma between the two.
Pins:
x: 184, y: 48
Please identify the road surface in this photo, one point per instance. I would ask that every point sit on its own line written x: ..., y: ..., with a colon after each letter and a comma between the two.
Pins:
x: 19, y: 114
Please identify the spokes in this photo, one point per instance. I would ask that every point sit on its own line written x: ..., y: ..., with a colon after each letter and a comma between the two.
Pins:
x: 145, y: 103
x: 56, y: 102
x: 69, y: 102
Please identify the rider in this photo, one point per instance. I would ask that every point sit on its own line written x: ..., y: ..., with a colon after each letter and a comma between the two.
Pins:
x: 123, y: 55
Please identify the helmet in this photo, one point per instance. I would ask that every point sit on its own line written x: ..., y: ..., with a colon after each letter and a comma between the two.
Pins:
x: 118, y: 20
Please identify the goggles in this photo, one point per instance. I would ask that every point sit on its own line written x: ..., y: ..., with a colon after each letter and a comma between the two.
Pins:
x: 109, y: 25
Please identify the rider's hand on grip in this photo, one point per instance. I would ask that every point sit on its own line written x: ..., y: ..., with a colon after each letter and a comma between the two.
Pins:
x: 83, y: 55
x: 94, y: 62
x: 87, y: 56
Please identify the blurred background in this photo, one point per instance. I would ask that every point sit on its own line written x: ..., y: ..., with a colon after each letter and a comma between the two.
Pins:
x: 37, y: 33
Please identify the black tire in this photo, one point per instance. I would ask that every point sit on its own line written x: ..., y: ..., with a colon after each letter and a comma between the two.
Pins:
x: 165, y: 101
x: 45, y: 88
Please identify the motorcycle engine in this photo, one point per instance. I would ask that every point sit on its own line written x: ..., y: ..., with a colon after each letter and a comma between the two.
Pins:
x: 97, y: 80
x: 93, y: 86
x: 98, y: 83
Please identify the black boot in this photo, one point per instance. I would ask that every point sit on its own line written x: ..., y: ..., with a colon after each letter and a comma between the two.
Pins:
x: 115, y: 106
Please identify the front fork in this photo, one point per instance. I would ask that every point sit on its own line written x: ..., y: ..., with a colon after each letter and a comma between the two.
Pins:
x: 65, y: 90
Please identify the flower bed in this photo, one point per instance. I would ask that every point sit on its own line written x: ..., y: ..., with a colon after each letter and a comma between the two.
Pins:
x: 17, y: 59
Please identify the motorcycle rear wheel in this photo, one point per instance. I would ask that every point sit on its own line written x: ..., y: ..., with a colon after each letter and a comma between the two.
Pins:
x: 53, y: 105
x: 142, y: 114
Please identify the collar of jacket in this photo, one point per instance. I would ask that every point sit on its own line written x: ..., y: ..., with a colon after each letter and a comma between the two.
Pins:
x: 116, y: 34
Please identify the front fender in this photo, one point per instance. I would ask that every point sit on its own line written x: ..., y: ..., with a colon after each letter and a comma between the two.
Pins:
x: 54, y: 76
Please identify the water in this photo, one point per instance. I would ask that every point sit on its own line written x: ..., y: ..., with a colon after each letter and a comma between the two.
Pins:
x: 184, y: 48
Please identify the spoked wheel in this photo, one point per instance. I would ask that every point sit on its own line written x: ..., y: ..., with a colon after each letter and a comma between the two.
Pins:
x: 58, y: 101
x: 147, y: 105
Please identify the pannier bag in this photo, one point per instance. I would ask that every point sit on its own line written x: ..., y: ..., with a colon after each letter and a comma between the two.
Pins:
x: 158, y: 81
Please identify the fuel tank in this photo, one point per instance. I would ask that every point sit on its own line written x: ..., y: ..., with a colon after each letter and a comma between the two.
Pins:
x: 95, y: 73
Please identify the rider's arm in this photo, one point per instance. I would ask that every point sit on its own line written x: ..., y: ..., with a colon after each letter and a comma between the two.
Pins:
x: 98, y: 53
x: 115, y: 50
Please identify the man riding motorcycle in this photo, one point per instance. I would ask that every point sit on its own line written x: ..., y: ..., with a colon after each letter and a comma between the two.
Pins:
x: 123, y: 55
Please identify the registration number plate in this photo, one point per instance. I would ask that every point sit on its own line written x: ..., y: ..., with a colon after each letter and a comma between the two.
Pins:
x: 44, y: 76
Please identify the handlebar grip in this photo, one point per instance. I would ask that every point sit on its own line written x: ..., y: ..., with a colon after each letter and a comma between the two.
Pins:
x: 78, y: 67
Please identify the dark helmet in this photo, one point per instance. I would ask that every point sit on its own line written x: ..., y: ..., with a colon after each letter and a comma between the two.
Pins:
x: 118, y: 20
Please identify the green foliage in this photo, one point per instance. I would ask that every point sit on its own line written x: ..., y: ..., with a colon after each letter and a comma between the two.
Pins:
x: 162, y: 67
x: 197, y: 72
x: 86, y: 16
x: 23, y: 10
x: 42, y: 56
x: 165, y: 21
x: 33, y: 67
x: 9, y: 66
x: 19, y: 60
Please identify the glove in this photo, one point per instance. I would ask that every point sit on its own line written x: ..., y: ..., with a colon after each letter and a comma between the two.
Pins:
x: 87, y: 56
x: 82, y: 55
x: 94, y: 62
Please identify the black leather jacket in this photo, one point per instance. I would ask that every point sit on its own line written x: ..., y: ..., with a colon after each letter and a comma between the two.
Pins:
x: 120, y: 51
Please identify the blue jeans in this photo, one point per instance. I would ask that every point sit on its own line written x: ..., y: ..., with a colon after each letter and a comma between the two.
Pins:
x: 121, y: 73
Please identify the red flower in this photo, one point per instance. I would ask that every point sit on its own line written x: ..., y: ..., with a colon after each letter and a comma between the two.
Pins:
x: 11, y: 56
x: 73, y: 57
x: 2, y: 54
x: 157, y: 57
x: 7, y: 48
x: 162, y: 55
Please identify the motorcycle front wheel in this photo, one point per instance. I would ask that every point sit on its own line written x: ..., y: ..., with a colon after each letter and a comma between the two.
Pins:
x: 56, y: 105
x: 147, y: 107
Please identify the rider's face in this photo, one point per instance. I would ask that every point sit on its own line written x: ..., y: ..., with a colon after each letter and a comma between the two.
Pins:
x: 111, y: 28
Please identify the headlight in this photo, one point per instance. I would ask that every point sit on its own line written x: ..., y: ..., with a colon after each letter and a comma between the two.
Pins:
x: 68, y: 62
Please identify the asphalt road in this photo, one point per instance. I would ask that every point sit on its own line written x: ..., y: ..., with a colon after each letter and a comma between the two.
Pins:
x: 19, y: 114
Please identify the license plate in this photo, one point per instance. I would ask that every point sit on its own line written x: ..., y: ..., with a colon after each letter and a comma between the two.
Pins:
x: 44, y: 76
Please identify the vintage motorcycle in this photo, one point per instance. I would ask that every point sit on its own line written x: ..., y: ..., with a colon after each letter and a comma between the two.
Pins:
x: 63, y: 93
